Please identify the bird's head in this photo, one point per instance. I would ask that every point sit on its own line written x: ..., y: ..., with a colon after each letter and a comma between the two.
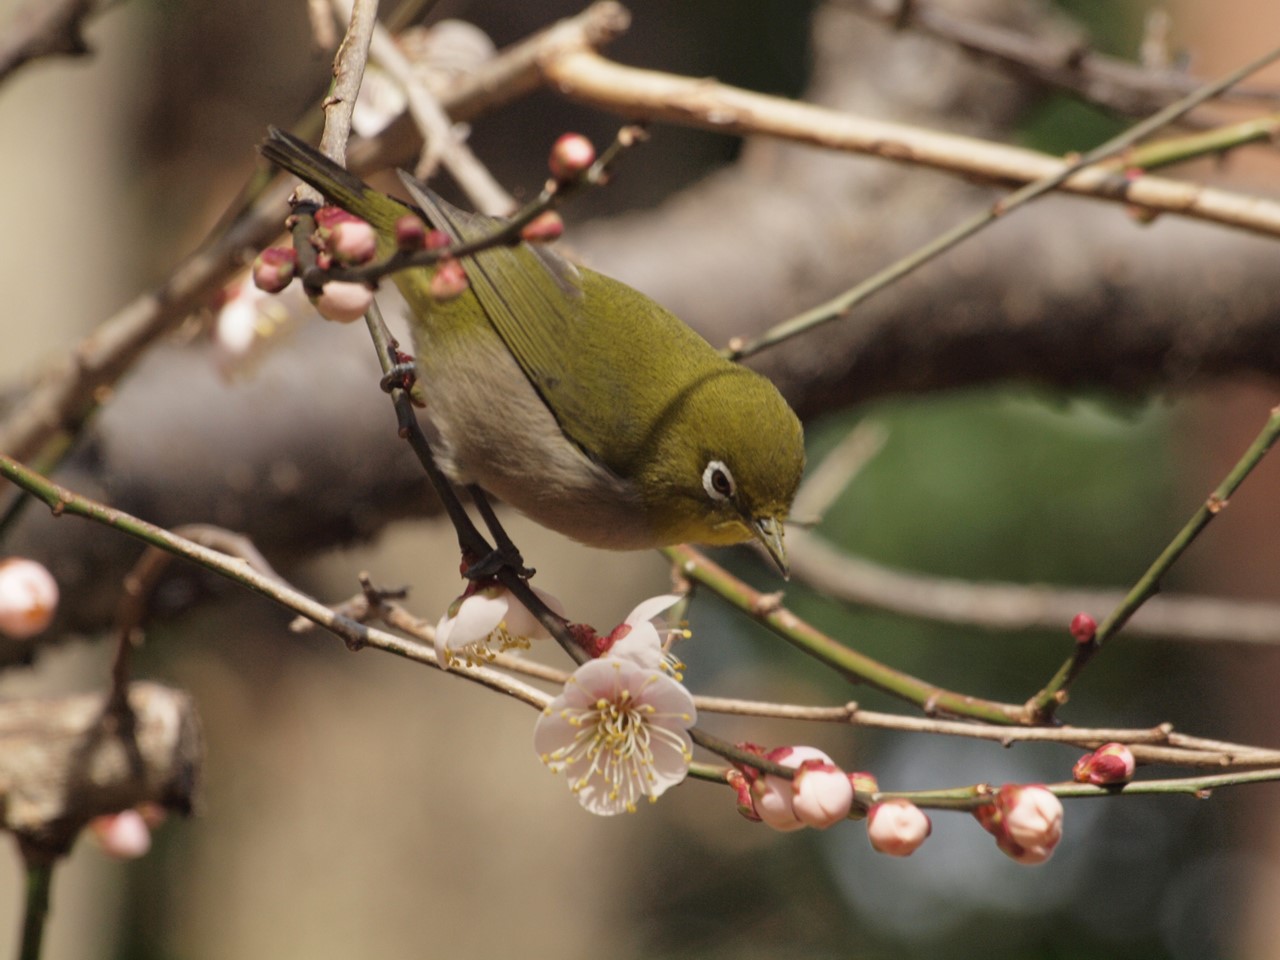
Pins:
x: 729, y: 458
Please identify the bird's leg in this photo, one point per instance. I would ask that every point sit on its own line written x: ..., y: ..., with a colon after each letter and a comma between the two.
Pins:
x: 505, y: 553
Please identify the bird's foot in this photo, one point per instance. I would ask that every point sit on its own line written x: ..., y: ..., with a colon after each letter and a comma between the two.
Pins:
x: 400, y: 377
x: 505, y: 557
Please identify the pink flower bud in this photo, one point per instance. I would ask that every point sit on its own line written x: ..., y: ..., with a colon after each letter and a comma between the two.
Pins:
x: 1025, y: 820
x: 1083, y: 628
x: 1111, y: 763
x: 437, y: 240
x: 570, y: 156
x: 411, y: 233
x: 274, y: 268
x: 814, y: 798
x: 353, y: 242
x: 823, y: 794
x: 345, y: 236
x: 343, y: 302
x: 545, y: 227
x: 122, y: 835
x: 897, y: 827
x: 449, y: 280
x: 28, y: 598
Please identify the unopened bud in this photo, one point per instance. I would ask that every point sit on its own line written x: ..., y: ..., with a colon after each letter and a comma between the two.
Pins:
x: 823, y: 794
x: 342, y: 301
x: 411, y: 233
x: 897, y: 827
x: 273, y: 269
x: 545, y: 227
x: 346, y: 237
x: 124, y: 835
x: 437, y: 240
x: 28, y: 598
x: 1025, y: 820
x: 449, y: 280
x: 1083, y: 628
x: 1111, y: 763
x: 570, y: 156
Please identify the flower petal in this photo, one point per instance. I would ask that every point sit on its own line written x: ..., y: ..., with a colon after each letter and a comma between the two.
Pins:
x: 646, y: 610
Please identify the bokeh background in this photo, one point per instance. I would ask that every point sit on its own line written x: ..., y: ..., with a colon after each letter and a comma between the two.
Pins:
x: 360, y: 806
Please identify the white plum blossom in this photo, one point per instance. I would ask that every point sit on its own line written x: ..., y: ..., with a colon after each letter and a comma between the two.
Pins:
x: 619, y: 732
x: 486, y: 620
x: 637, y: 638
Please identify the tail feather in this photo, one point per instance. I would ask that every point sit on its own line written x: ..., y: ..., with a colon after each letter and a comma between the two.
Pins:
x: 340, y: 186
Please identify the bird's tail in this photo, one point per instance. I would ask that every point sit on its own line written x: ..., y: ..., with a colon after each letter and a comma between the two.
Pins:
x: 340, y: 187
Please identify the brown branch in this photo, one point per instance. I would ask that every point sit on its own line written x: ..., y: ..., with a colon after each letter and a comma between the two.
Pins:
x: 587, y: 77
x: 67, y: 760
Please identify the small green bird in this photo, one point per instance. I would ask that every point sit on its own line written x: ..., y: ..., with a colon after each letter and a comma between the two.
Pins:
x: 576, y: 399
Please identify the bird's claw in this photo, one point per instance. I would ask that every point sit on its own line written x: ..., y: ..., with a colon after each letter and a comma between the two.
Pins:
x: 400, y: 377
x: 496, y: 561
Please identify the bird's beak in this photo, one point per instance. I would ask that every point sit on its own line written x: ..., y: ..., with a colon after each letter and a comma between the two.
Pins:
x: 769, y: 532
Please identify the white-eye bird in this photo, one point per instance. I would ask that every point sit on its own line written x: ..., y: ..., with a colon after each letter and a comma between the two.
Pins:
x: 574, y: 398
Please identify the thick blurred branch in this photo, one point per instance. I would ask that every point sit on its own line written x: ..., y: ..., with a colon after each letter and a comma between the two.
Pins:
x: 44, y: 28
x: 1065, y: 63
x: 68, y: 760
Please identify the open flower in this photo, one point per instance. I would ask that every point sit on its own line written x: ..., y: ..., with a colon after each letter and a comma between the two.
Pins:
x: 618, y: 730
x: 487, y: 619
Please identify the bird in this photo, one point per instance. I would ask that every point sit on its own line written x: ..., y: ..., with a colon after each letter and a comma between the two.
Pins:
x: 574, y: 398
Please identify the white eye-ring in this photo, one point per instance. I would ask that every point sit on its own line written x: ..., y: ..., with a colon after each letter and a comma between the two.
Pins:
x: 717, y: 481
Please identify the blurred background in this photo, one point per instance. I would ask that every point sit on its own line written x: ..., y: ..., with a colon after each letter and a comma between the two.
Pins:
x: 358, y: 805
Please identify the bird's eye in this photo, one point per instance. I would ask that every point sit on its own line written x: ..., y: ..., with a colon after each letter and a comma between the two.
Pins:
x: 717, y: 481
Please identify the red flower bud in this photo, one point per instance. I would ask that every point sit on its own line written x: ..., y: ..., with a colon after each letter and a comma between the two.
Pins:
x: 1111, y: 763
x: 1083, y: 628
x: 411, y: 233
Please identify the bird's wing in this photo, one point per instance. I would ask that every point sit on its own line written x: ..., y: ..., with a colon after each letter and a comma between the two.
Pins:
x: 536, y: 302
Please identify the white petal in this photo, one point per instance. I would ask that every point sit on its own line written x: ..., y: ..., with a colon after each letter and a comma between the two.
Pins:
x: 642, y: 646
x: 477, y: 617
x: 522, y: 623
x: 648, y: 609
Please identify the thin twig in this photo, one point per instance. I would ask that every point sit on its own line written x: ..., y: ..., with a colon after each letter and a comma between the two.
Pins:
x: 855, y: 666
x: 63, y: 501
x: 1042, y: 706
x: 840, y: 305
x: 845, y: 577
x: 36, y: 905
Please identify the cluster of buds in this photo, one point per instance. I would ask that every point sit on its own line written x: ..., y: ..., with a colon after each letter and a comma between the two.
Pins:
x: 28, y: 598
x: 1109, y: 765
x: 820, y: 796
x: 1025, y: 820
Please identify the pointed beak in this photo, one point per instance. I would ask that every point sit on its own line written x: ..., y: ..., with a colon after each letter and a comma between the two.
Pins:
x: 769, y: 532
